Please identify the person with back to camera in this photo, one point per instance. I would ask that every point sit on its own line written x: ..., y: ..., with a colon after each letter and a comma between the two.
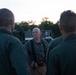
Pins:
x: 13, y: 56
x: 62, y: 58
x: 55, y: 42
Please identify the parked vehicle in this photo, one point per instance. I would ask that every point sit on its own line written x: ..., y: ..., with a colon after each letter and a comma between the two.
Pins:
x: 48, y: 39
x: 23, y: 36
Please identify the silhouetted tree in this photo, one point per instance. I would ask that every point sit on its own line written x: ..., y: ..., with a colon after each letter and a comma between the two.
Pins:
x: 55, y: 30
x: 32, y: 26
x: 45, y: 24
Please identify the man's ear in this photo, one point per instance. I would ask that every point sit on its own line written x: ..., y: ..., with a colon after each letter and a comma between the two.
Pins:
x: 40, y: 33
x: 60, y: 28
x: 12, y: 24
x: 11, y: 21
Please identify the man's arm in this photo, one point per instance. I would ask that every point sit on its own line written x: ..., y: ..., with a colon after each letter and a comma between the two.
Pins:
x: 52, y: 64
x: 19, y: 58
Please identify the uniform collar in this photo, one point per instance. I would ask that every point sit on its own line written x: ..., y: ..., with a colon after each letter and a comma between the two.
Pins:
x: 71, y: 36
x: 5, y: 31
x: 37, y: 42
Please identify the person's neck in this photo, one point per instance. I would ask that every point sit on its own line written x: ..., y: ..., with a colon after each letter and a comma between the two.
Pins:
x: 67, y: 34
x: 37, y: 39
x: 6, y: 28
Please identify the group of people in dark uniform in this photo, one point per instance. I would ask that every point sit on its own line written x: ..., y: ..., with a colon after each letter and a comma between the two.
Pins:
x: 36, y: 56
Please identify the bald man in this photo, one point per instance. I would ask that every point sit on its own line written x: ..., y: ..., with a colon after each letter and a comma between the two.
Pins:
x: 37, y: 48
x: 13, y: 58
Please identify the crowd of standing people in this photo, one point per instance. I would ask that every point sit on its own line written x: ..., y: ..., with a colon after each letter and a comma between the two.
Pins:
x: 37, y: 56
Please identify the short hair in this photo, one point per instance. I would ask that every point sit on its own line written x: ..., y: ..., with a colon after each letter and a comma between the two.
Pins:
x: 68, y: 21
x: 36, y: 28
x: 5, y: 16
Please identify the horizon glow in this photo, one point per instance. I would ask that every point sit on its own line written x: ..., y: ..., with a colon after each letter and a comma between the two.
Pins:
x: 35, y: 10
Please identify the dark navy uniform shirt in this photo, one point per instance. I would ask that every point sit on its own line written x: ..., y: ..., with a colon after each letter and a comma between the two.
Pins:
x: 12, y: 51
x: 62, y: 59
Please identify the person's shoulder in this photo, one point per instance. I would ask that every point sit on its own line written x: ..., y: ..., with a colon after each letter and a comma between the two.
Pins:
x: 56, y: 41
x: 59, y: 49
x: 28, y: 42
x: 14, y: 40
x: 44, y: 40
x: 58, y: 38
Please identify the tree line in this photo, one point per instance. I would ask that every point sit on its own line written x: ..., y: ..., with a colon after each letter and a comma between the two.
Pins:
x: 44, y: 25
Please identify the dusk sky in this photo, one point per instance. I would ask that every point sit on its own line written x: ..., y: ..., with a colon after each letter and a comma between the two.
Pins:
x: 35, y: 10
